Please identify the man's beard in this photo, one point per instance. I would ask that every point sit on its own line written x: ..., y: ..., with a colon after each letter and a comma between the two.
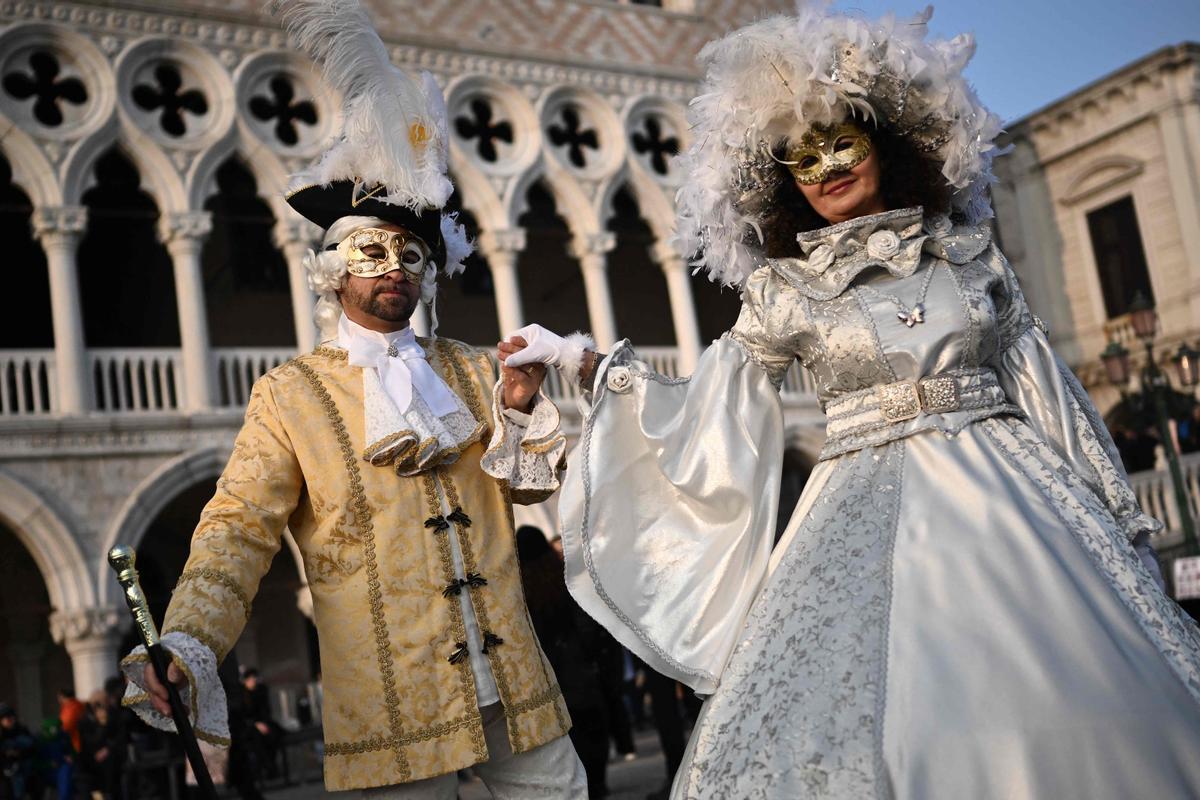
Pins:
x: 393, y: 308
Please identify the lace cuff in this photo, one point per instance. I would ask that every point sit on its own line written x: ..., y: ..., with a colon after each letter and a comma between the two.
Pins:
x: 204, y: 697
x: 528, y: 457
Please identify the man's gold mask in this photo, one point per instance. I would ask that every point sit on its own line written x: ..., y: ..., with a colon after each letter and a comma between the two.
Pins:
x: 825, y: 150
x: 371, y: 252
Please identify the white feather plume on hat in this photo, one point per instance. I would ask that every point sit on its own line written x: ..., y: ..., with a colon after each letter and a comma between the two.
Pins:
x: 394, y: 132
x: 774, y: 78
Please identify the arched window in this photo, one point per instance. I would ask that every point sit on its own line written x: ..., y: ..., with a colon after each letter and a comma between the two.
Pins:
x: 126, y: 280
x: 27, y: 280
x: 641, y: 304
x: 466, y: 303
x: 246, y: 290
x: 552, y: 292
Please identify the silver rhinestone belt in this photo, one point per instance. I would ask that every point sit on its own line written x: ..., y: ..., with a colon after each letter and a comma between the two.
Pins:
x: 892, y: 410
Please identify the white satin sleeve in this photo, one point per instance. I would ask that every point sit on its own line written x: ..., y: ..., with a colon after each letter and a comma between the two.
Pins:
x: 668, y: 506
x: 1056, y: 405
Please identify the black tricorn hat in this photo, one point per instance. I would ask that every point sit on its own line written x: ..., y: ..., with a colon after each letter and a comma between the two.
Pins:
x: 325, y: 204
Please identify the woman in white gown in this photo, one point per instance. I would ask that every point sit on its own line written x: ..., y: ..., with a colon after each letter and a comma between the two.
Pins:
x: 964, y: 604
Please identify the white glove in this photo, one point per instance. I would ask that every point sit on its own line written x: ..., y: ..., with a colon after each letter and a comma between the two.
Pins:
x: 547, y: 347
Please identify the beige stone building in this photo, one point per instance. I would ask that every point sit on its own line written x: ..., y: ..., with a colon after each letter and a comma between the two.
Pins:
x: 153, y: 272
x: 1100, y: 199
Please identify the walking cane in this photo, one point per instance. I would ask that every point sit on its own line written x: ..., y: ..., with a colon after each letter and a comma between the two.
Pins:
x: 122, y: 558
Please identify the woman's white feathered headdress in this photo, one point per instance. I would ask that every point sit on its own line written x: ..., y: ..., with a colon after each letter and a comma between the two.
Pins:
x: 390, y: 160
x: 773, y: 78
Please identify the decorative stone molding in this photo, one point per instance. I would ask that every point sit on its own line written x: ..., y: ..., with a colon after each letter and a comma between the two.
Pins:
x: 582, y: 133
x: 82, y: 624
x: 295, y: 231
x: 592, y: 244
x: 511, y: 240
x: 185, y: 225
x: 1101, y: 175
x: 54, y: 83
x: 59, y: 221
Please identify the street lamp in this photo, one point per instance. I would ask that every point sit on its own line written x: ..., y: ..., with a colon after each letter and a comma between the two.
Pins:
x: 1143, y: 317
x: 1187, y: 365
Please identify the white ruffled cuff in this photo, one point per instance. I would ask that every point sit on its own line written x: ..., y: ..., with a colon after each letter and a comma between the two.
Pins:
x: 204, y: 697
x: 527, y: 451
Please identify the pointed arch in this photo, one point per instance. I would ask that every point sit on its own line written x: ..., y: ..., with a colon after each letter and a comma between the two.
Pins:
x: 44, y: 532
x: 30, y: 168
x: 157, y: 174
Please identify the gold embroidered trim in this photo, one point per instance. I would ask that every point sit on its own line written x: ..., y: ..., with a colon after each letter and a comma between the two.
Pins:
x: 535, y: 702
x: 373, y: 450
x: 466, y: 675
x: 203, y: 637
x: 456, y: 358
x: 377, y: 743
x: 216, y: 576
x: 362, y: 515
x: 336, y: 353
x: 538, y: 449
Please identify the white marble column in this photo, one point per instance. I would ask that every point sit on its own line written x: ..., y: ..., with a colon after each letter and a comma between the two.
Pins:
x: 90, y: 636
x: 501, y: 249
x: 591, y: 251
x: 59, y: 229
x: 183, y: 233
x: 683, y: 307
x: 1185, y: 186
x: 294, y: 238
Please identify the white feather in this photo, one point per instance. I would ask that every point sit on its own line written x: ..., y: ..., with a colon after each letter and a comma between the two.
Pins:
x: 394, y: 131
x: 776, y: 77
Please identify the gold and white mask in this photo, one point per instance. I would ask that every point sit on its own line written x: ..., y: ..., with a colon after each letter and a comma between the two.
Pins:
x: 371, y: 252
x: 825, y: 150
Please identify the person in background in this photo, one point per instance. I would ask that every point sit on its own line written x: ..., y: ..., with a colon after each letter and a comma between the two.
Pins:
x: 16, y: 754
x: 263, y: 732
x: 71, y: 713
x: 101, y: 747
x: 576, y: 647
x: 54, y: 763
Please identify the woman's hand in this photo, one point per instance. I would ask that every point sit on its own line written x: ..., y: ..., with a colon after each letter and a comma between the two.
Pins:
x: 521, y: 383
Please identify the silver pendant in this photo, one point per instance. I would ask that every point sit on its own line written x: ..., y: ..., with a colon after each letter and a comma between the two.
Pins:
x: 393, y: 352
x: 911, y: 318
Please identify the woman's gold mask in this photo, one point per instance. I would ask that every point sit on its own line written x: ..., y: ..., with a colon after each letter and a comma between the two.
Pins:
x: 825, y: 150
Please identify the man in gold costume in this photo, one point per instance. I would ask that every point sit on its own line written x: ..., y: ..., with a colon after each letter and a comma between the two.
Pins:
x: 393, y: 460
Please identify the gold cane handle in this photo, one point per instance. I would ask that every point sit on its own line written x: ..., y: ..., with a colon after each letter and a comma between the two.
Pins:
x: 122, y: 559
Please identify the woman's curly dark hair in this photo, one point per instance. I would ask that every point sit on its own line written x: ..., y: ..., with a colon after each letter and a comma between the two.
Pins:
x: 907, y: 178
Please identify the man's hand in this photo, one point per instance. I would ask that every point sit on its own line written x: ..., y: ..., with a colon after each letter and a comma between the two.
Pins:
x: 521, y: 384
x: 158, y: 692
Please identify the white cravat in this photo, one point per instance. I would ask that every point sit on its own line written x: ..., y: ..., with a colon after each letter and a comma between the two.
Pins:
x: 400, y: 363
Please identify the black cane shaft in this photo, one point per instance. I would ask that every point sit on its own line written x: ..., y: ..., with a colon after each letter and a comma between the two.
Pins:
x: 191, y: 748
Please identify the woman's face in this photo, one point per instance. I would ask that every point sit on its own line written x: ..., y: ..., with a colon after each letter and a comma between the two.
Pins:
x: 848, y: 193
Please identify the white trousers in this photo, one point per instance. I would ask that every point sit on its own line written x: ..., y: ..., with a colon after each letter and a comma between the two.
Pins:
x: 550, y: 772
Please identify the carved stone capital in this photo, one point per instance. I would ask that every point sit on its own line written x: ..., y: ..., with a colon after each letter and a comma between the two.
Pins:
x: 82, y: 625
x: 297, y: 232
x: 179, y: 226
x: 510, y: 240
x: 586, y: 247
x: 665, y: 254
x: 59, y: 221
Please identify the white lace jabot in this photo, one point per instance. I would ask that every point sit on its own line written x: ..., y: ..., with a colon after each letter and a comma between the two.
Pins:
x: 413, y: 419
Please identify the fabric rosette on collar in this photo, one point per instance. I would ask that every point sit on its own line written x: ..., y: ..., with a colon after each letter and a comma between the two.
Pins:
x: 772, y: 78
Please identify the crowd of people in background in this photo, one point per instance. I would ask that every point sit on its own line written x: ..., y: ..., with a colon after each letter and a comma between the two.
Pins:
x: 98, y: 750
x: 1139, y: 444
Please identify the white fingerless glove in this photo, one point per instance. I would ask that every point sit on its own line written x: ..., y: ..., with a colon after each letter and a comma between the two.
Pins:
x: 547, y: 347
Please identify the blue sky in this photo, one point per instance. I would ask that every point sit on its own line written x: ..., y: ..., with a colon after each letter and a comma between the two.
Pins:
x: 1030, y: 53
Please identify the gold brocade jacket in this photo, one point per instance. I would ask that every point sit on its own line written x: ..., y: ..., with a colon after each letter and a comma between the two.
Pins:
x: 399, y: 704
